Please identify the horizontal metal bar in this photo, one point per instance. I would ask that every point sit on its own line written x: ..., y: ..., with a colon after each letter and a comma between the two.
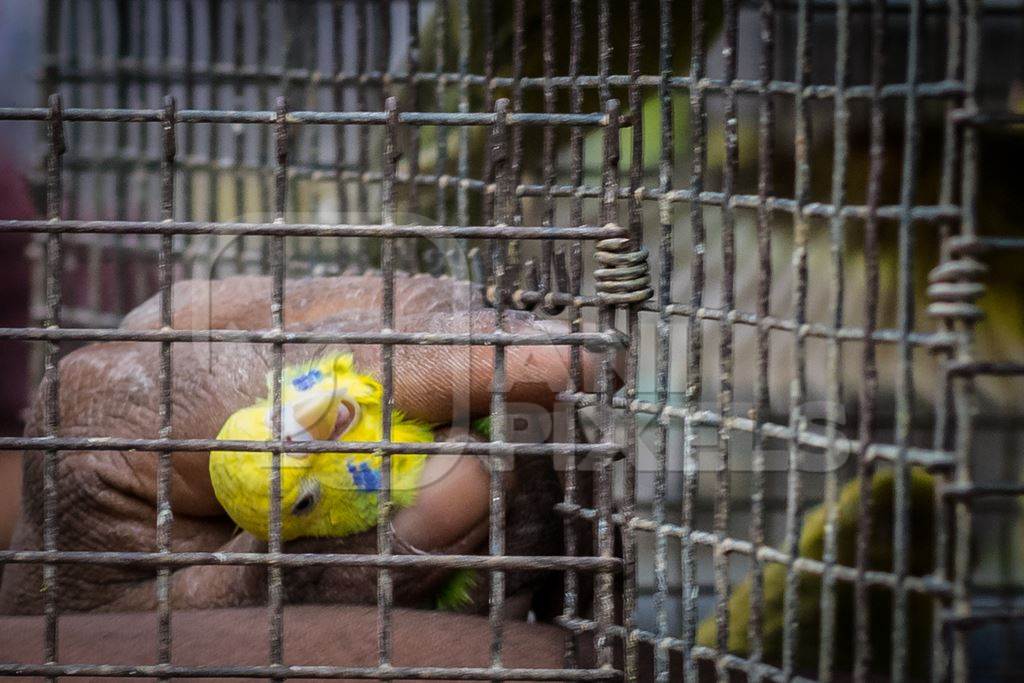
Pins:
x: 967, y: 491
x: 118, y: 115
x: 927, y: 458
x: 982, y: 617
x: 757, y: 670
x: 974, y: 244
x: 134, y: 71
x: 308, y: 229
x: 190, y: 559
x: 806, y: 565
x: 966, y: 117
x: 498, y: 338
x: 994, y: 368
x: 482, y: 449
x: 283, y: 672
x: 931, y: 340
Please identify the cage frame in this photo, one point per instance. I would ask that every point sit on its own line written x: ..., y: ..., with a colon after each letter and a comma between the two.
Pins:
x: 953, y: 292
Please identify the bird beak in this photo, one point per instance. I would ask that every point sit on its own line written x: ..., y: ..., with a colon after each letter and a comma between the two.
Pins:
x: 316, y: 414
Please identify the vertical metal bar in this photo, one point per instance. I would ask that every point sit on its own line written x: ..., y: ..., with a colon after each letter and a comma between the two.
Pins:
x: 965, y: 400
x: 238, y: 135
x: 869, y: 385
x: 837, y: 238
x: 465, y: 42
x: 798, y: 384
x: 518, y: 48
x: 628, y: 506
x: 385, y: 539
x: 569, y: 528
x: 441, y: 164
x: 51, y: 373
x: 606, y: 417
x: 549, y: 176
x: 122, y: 262
x: 338, y: 57
x: 412, y: 67
x: 383, y: 38
x: 503, y: 214
x: 664, y: 342
x: 603, y: 597
x: 465, y: 38
x: 214, y: 20
x: 164, y: 517
x: 363, y: 147
x: 725, y: 393
x: 188, y: 134
x: 263, y: 146
x: 37, y: 249
x: 694, y: 333
x: 762, y: 388
x: 277, y: 258
x: 904, y: 363
x: 943, y: 404
x: 98, y: 134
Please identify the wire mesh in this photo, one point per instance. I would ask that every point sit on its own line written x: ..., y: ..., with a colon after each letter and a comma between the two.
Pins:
x: 296, y: 112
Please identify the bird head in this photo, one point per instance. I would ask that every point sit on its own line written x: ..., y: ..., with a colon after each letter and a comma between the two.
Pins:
x: 322, y: 494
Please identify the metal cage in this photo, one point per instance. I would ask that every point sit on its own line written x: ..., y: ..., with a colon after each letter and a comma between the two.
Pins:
x: 710, y: 217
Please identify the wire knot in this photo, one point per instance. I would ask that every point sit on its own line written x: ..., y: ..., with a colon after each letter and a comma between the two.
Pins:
x: 954, y: 291
x: 624, y: 276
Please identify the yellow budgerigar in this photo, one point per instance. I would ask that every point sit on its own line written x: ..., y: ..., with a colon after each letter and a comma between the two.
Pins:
x: 322, y: 494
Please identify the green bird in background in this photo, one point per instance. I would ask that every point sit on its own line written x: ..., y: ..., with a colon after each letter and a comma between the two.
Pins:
x: 921, y: 561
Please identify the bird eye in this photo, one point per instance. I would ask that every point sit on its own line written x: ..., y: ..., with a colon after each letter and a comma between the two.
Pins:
x: 306, y: 502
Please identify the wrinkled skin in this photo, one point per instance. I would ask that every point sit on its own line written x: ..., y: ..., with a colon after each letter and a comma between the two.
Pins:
x: 106, y: 499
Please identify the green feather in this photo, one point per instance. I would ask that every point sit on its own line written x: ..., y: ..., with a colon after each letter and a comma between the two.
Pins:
x: 456, y: 594
x: 483, y: 426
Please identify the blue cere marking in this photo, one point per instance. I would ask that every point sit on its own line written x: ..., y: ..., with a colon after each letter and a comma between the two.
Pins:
x: 307, y: 380
x: 366, y: 478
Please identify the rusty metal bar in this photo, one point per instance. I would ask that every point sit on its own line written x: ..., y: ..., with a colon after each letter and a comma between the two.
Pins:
x: 51, y: 374
x: 603, y: 590
x: 869, y: 384
x: 762, y: 407
x: 663, y: 341
x: 726, y: 363
x: 629, y: 484
x: 694, y: 333
x: 281, y: 672
x: 837, y: 293
x: 273, y: 75
x: 362, y: 117
x: 570, y: 608
x: 798, y: 383
x: 499, y: 338
x: 275, y: 591
x: 186, y: 559
x: 502, y: 215
x: 385, y: 531
x: 904, y: 369
x: 164, y: 514
x: 964, y: 399
x: 103, y: 443
x: 281, y: 228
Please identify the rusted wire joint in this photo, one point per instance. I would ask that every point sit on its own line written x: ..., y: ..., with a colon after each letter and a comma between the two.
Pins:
x: 954, y: 291
x: 624, y: 276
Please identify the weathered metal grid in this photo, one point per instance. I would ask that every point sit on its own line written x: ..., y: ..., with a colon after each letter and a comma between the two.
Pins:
x: 501, y: 123
x: 953, y: 215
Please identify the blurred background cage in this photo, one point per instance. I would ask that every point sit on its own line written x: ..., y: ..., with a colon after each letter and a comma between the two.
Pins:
x: 824, y: 192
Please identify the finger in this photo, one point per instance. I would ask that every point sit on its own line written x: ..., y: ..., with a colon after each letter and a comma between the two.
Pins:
x: 243, y: 302
x: 450, y: 384
x: 452, y: 502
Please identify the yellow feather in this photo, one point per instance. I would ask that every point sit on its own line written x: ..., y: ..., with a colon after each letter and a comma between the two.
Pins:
x: 322, y: 494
